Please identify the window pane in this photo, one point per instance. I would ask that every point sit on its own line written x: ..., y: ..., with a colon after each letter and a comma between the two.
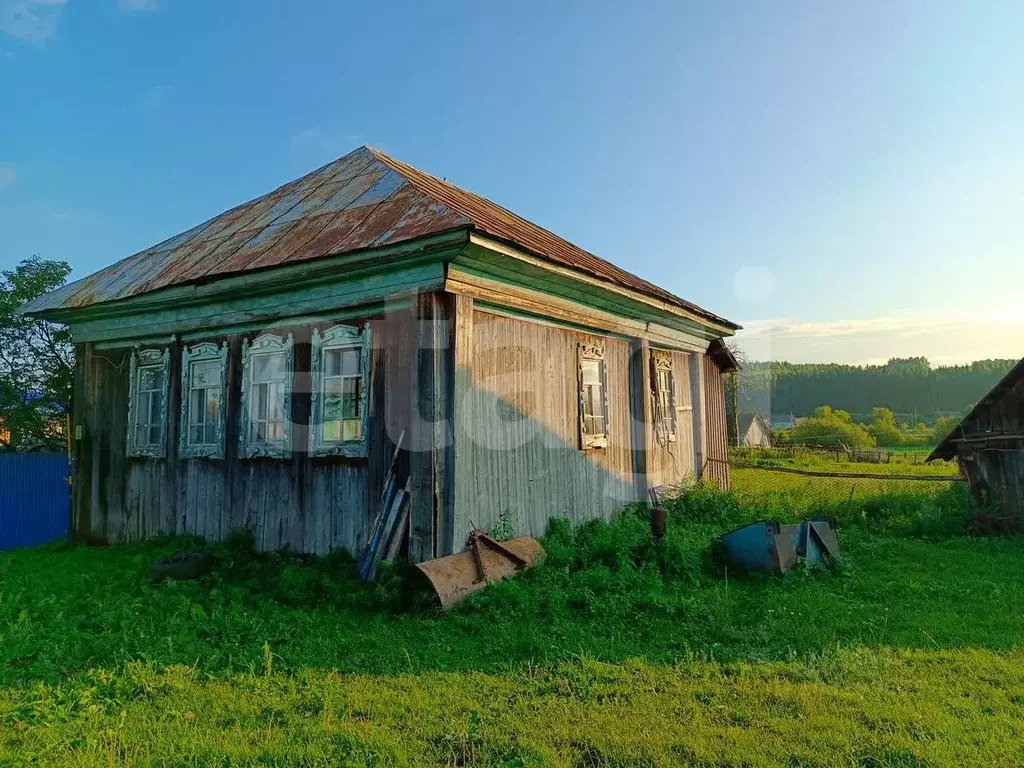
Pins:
x: 332, y: 407
x: 351, y: 402
x: 588, y: 402
x: 156, y: 403
x: 275, y: 431
x: 591, y: 372
x: 142, y: 410
x: 205, y: 374
x: 155, y: 434
x: 268, y: 366
x: 213, y: 406
x: 258, y: 431
x: 350, y: 361
x: 275, y: 398
x: 195, y: 435
x: 275, y: 366
x: 211, y: 434
x: 142, y: 436
x: 149, y: 377
x: 195, y: 412
x: 332, y: 431
x: 353, y: 429
x: 261, y: 401
x: 332, y: 362
x: 334, y: 386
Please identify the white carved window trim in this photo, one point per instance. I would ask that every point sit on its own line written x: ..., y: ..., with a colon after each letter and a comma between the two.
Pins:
x: 338, y: 337
x: 663, y: 392
x: 275, y: 449
x: 142, y: 359
x: 204, y: 352
x: 588, y: 355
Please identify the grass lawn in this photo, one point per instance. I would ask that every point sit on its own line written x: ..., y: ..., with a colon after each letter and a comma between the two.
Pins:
x: 617, y: 652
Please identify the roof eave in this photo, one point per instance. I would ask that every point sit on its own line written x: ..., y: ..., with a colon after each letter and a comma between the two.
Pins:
x: 683, y: 309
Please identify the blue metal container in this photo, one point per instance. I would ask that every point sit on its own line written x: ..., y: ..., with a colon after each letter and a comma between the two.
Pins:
x: 771, y: 547
x: 34, y: 498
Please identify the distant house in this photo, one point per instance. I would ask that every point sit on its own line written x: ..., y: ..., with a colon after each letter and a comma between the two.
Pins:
x: 259, y: 370
x: 989, y: 445
x: 754, y: 431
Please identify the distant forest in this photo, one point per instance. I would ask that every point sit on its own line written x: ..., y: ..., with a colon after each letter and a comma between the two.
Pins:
x: 906, y: 386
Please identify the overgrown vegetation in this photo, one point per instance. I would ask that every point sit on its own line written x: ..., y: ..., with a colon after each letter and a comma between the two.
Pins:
x: 617, y: 651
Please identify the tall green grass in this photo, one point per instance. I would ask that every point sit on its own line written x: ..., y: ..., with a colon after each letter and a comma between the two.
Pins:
x: 618, y: 650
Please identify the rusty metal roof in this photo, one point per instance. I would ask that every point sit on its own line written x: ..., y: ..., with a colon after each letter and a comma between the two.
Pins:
x: 363, y: 200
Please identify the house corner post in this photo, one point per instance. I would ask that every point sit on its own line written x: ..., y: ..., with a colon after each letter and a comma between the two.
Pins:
x: 430, y: 445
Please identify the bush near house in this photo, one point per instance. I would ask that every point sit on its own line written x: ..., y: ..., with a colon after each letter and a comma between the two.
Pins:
x: 618, y: 651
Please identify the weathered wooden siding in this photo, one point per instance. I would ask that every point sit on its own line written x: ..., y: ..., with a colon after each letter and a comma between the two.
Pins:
x: 303, y: 503
x: 990, y: 447
x: 517, y: 428
x: 716, y: 458
x: 673, y: 461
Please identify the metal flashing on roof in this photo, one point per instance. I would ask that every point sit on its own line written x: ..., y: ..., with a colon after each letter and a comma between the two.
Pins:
x: 365, y: 199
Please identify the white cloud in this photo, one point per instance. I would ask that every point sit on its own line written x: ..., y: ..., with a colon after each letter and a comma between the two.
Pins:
x: 137, y: 5
x: 34, y: 21
x: 943, y: 337
x: 7, y: 175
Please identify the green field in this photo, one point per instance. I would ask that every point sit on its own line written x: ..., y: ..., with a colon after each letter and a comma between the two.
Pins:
x: 617, y: 652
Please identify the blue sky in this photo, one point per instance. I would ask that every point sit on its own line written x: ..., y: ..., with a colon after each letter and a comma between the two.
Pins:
x: 845, y: 179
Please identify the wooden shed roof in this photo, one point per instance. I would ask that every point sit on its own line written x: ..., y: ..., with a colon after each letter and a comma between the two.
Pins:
x: 947, y: 449
x: 363, y: 200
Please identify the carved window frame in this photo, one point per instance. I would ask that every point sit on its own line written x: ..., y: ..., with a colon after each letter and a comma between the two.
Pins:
x: 664, y: 413
x: 592, y: 353
x: 272, y: 449
x: 141, y: 359
x: 338, y: 337
x: 203, y: 352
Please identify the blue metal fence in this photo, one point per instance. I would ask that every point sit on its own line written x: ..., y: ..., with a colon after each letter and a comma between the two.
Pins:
x: 34, y: 498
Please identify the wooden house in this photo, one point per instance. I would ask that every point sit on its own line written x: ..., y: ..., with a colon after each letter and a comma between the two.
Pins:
x: 754, y: 430
x: 989, y: 446
x: 258, y: 370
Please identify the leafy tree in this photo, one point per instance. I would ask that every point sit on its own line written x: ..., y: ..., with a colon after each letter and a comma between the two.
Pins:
x: 944, y: 426
x: 36, y: 358
x: 830, y: 428
x: 883, y: 427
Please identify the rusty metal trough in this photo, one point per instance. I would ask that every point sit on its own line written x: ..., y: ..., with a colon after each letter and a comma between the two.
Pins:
x: 487, y: 561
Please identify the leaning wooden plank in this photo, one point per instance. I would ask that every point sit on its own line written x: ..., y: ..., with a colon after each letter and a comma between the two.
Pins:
x: 379, y: 533
x: 395, y: 544
x: 381, y: 506
x: 388, y: 532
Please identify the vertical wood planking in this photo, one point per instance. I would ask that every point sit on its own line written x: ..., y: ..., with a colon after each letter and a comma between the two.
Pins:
x: 461, y: 469
x: 429, y: 395
x: 716, y: 424
x: 519, y: 425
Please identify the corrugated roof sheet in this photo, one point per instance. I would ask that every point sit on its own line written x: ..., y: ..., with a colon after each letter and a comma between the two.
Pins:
x: 365, y: 199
